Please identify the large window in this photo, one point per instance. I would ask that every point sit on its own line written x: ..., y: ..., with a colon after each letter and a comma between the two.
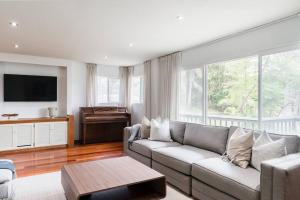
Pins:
x: 281, y: 92
x: 137, y: 89
x: 260, y: 92
x: 233, y: 88
x: 191, y: 95
x: 108, y: 90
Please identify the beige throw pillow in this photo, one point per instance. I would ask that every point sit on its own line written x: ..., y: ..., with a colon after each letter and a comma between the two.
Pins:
x: 145, y: 129
x: 239, y: 147
x: 265, y: 148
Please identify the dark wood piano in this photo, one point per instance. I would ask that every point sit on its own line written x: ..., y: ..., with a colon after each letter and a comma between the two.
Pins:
x: 103, y: 124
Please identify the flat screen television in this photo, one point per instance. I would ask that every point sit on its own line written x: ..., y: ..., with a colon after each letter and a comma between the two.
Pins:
x: 27, y: 88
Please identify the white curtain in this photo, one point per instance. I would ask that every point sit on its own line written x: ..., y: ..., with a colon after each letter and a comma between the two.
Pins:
x: 91, y: 84
x: 147, y: 88
x: 125, y: 74
x: 168, y: 68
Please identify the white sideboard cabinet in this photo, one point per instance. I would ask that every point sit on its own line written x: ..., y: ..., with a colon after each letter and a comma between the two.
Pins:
x: 33, y: 133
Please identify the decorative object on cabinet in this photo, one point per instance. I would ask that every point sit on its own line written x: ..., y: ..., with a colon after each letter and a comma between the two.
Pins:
x: 53, y: 112
x: 9, y: 116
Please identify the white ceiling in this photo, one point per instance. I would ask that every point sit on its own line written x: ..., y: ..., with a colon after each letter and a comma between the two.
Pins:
x: 89, y: 30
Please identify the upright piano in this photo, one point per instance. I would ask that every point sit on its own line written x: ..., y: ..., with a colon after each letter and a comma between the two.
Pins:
x: 103, y: 124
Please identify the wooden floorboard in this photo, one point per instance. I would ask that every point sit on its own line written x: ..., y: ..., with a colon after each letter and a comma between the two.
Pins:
x: 51, y: 160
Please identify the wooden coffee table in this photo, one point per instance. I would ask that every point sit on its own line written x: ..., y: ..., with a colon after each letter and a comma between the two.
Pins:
x: 114, y: 178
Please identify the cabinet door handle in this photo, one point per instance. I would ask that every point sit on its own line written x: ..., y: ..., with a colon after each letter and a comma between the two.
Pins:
x: 25, y: 145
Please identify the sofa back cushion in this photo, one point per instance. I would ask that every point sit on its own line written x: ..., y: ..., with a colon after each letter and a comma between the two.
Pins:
x: 177, y: 131
x: 292, y: 142
x: 212, y: 138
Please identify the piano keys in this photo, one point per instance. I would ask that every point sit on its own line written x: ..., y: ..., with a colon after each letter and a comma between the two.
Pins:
x: 103, y: 124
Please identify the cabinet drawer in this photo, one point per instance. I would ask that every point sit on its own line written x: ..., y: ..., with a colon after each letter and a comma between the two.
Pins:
x: 24, y: 135
x: 42, y: 134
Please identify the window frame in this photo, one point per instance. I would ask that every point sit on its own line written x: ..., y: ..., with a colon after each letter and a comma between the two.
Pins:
x: 259, y: 56
x: 108, y: 98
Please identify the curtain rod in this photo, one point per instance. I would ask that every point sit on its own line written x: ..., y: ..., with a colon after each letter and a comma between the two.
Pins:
x: 169, y: 54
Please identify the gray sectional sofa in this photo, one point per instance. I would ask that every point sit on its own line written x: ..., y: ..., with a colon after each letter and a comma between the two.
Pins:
x: 193, y: 164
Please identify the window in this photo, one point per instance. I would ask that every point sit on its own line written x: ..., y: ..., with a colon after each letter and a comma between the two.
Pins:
x: 281, y: 92
x: 108, y: 90
x: 230, y: 93
x: 233, y: 88
x: 191, y: 95
x: 233, y: 93
x: 137, y: 89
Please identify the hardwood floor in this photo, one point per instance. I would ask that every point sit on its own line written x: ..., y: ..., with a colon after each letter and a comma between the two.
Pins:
x: 44, y: 161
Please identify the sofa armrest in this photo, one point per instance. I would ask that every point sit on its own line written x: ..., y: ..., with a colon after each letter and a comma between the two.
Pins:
x: 126, y: 136
x: 279, y: 178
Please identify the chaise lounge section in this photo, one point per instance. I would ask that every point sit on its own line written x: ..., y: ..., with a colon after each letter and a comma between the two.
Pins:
x: 193, y: 163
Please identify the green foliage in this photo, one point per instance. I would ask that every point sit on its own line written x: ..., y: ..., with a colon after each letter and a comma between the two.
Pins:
x: 281, y: 84
x: 232, y: 88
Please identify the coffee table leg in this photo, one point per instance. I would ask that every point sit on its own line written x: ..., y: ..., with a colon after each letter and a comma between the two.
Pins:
x: 68, y: 186
x: 153, y: 189
x: 159, y: 186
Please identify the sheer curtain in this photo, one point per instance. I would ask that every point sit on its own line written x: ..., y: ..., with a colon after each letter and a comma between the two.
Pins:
x: 168, y: 68
x: 125, y: 74
x: 91, y: 84
x: 147, y: 88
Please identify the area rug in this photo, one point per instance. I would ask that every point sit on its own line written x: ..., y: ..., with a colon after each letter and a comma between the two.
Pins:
x: 48, y: 187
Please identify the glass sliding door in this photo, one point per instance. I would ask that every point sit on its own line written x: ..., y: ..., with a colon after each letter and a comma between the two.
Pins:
x: 191, y: 95
x: 232, y: 95
x: 281, y: 92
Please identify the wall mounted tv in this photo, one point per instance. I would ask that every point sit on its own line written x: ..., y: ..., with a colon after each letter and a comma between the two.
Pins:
x: 27, y: 88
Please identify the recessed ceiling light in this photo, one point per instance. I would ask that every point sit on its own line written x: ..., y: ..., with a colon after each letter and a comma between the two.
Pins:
x: 105, y: 57
x: 16, y: 46
x: 130, y: 44
x: 13, y: 24
x: 179, y: 17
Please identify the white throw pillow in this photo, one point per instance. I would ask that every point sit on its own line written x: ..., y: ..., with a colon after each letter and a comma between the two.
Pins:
x: 264, y: 138
x: 160, y: 130
x: 239, y: 147
x: 265, y: 148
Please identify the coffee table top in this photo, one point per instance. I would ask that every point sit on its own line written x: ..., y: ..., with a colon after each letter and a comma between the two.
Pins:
x: 96, y: 176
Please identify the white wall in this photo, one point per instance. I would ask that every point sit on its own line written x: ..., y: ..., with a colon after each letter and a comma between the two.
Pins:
x: 276, y: 36
x: 108, y: 70
x: 279, y: 36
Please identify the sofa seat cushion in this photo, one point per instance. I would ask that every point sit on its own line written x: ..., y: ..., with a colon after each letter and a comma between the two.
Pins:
x: 180, y: 158
x: 145, y: 146
x: 243, y: 184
